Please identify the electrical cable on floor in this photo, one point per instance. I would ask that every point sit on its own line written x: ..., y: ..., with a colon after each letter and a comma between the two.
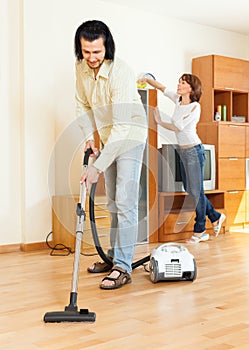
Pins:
x: 146, y: 267
x: 62, y: 247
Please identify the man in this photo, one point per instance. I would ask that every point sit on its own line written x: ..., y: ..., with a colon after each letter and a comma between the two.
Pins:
x: 107, y: 100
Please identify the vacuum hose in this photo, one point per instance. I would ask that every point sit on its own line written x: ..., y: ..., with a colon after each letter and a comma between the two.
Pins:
x: 99, y: 249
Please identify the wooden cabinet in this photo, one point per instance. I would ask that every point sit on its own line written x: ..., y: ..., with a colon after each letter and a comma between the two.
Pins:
x: 247, y: 141
x: 231, y: 140
x: 225, y: 82
x: 177, y: 214
x: 149, y: 176
x: 231, y: 174
x: 229, y: 73
x: 247, y: 205
x: 64, y: 220
x: 236, y: 208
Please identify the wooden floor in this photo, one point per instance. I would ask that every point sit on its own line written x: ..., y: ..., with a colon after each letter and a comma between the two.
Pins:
x: 210, y: 313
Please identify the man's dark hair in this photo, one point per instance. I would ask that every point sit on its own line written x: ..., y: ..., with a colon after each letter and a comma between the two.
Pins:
x: 90, y: 31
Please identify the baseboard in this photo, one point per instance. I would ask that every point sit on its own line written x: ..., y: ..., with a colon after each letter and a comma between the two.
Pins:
x: 33, y: 246
x: 12, y: 248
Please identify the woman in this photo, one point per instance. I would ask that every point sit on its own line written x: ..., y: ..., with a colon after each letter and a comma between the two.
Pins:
x: 192, y: 154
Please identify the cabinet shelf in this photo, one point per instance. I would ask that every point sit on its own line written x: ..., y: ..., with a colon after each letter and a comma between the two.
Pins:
x: 225, y: 82
x: 236, y: 103
x: 177, y: 213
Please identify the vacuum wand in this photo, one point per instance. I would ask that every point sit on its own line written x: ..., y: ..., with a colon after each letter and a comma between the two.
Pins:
x: 71, y: 313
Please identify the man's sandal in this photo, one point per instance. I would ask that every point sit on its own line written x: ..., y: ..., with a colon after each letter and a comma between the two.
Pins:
x: 99, y: 267
x: 122, y: 279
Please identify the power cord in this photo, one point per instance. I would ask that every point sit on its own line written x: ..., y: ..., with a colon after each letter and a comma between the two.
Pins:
x: 62, y: 247
x: 146, y: 267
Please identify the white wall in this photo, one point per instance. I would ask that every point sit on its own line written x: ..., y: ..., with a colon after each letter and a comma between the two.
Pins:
x: 37, y: 131
x: 10, y: 130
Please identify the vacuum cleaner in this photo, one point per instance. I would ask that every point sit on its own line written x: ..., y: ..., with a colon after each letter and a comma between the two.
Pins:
x: 71, y: 312
x: 172, y: 262
x: 169, y: 261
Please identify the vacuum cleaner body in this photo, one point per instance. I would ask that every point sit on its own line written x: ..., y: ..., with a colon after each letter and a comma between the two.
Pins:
x: 172, y: 262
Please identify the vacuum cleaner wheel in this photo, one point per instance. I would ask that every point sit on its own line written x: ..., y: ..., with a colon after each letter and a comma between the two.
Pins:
x: 193, y: 273
x: 154, y: 270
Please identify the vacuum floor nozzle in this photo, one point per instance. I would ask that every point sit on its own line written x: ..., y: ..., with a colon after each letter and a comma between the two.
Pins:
x: 70, y: 316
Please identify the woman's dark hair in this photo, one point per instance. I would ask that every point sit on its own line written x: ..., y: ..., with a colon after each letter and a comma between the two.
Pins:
x: 90, y: 31
x: 195, y: 84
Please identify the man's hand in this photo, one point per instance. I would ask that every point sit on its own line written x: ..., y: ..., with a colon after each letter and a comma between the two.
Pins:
x: 90, y: 177
x: 90, y: 144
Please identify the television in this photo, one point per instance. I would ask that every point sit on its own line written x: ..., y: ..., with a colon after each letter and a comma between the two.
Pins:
x: 169, y: 174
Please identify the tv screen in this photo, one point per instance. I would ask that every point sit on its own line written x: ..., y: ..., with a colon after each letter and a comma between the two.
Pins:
x: 169, y: 174
x: 207, y: 167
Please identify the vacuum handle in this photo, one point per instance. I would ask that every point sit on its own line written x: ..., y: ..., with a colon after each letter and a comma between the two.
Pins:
x: 88, y: 152
x: 172, y: 244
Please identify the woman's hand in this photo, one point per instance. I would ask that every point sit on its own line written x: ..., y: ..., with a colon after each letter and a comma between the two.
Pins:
x: 142, y: 81
x: 157, y: 117
x: 166, y: 125
x: 152, y: 82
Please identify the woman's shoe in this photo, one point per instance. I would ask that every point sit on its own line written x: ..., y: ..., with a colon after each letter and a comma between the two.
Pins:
x: 195, y: 239
x: 217, y: 227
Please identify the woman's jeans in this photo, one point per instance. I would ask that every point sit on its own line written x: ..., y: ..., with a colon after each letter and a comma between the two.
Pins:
x: 122, y: 179
x: 192, y: 162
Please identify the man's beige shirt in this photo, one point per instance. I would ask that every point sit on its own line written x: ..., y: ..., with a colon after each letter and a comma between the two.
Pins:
x: 111, y: 104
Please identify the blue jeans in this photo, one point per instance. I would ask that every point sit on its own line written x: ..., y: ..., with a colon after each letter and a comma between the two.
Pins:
x: 192, y: 162
x: 122, y: 180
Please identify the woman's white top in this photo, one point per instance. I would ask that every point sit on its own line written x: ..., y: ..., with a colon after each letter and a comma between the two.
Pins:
x: 185, y: 118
